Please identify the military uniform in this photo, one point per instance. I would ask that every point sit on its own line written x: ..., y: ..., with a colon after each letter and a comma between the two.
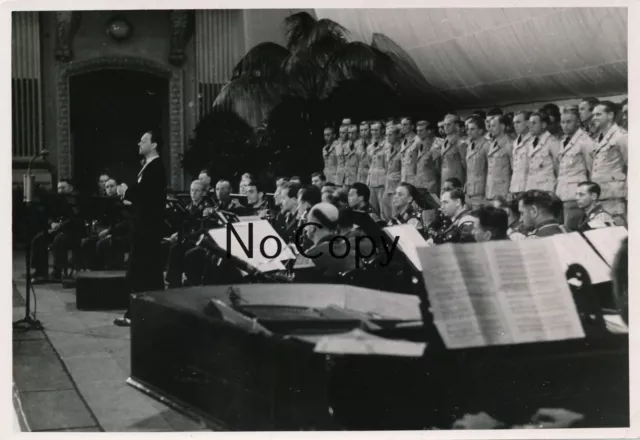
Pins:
x: 499, y: 167
x: 377, y: 174
x: 428, y: 164
x: 364, y: 161
x: 340, y: 168
x: 459, y: 231
x: 610, y: 170
x: 350, y: 163
x: 393, y: 162
x: 596, y: 214
x: 591, y: 129
x: 453, y: 154
x: 574, y: 166
x: 369, y: 210
x: 408, y: 155
x: 330, y: 162
x: 519, y: 163
x: 409, y: 216
x: 547, y: 229
x: 516, y: 231
x: 476, y: 171
x: 542, y: 172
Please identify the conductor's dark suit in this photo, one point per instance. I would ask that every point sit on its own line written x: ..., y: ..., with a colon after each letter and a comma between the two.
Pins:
x: 148, y: 197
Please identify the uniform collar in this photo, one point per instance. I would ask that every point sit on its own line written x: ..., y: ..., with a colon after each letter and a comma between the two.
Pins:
x: 523, y: 140
x: 546, y: 224
x: 595, y: 207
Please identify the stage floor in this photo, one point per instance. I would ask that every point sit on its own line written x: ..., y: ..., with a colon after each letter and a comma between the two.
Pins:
x: 72, y: 376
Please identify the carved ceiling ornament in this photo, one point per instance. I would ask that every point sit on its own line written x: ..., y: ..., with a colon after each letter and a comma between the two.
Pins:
x: 181, y: 32
x: 67, y: 24
x: 175, y: 96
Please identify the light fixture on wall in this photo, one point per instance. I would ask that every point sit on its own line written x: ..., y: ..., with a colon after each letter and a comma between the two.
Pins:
x: 119, y: 29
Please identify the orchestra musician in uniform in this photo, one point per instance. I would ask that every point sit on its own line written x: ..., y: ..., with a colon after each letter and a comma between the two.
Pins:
x: 408, y: 151
x: 193, y: 228
x: 537, y: 211
x: 490, y: 224
x: 403, y: 200
x: 393, y: 162
x: 102, y: 182
x: 358, y: 199
x: 460, y: 230
x: 288, y: 220
x: 453, y: 152
x: 515, y: 228
x: 585, y: 109
x: 574, y: 164
x: 476, y: 162
x: 593, y: 214
x: 58, y: 232
x: 499, y: 159
x: 520, y: 154
x: 257, y: 204
x: 224, y: 200
x: 351, y: 156
x: 362, y: 151
x: 441, y: 221
x: 318, y: 179
x: 543, y: 153
x: 329, y: 155
x: 377, y: 169
x: 610, y: 161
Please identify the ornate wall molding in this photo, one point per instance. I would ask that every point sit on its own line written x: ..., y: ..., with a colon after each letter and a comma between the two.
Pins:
x: 67, y: 24
x: 174, y: 75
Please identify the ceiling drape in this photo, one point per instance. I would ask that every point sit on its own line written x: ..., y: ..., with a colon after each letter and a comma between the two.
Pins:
x: 500, y: 56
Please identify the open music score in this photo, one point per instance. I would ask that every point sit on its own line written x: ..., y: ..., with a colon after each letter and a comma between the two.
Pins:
x: 499, y: 293
x: 572, y: 248
x: 607, y: 241
x: 409, y: 239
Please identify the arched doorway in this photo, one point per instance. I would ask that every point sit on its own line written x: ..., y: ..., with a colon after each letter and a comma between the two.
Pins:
x: 110, y: 108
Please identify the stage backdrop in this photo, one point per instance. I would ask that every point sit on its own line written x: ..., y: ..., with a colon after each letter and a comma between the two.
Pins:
x: 501, y: 56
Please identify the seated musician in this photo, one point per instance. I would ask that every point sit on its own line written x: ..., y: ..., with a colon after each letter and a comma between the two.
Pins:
x: 64, y: 234
x: 516, y: 229
x: 102, y: 182
x: 358, y: 200
x: 461, y: 227
x: 308, y: 197
x: 403, y: 202
x: 205, y: 177
x: 490, y: 224
x: 327, y: 191
x: 594, y: 215
x: 257, y: 203
x: 286, y: 225
x: 539, y: 214
x: 441, y: 221
x: 318, y: 179
x: 193, y: 228
x: 224, y: 200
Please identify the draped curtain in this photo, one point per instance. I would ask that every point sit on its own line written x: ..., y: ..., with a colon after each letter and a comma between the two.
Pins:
x: 500, y: 56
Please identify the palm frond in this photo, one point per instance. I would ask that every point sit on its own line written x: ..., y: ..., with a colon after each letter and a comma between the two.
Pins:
x: 298, y: 29
x: 303, y: 76
x: 262, y: 61
x: 250, y: 98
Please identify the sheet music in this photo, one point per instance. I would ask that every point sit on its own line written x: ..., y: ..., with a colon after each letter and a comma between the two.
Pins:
x: 573, y: 248
x: 260, y: 259
x: 498, y: 293
x: 360, y: 342
x: 607, y: 241
x: 408, y: 240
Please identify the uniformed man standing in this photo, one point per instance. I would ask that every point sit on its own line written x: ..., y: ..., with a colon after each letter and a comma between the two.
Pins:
x: 408, y: 152
x: 329, y: 155
x: 393, y: 166
x: 593, y: 214
x: 574, y: 164
x: 586, y: 116
x: 341, y: 145
x: 520, y: 154
x: 454, y: 151
x: 377, y: 170
x: 364, y: 160
x: 460, y: 230
x: 499, y: 159
x: 428, y: 161
x: 351, y: 157
x: 537, y: 214
x: 476, y: 162
x: 543, y: 151
x: 610, y: 161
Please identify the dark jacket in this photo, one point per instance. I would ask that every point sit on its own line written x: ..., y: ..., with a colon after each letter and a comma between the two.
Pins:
x: 148, y: 197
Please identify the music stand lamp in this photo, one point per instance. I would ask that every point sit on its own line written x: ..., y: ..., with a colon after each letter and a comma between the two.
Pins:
x: 28, y: 322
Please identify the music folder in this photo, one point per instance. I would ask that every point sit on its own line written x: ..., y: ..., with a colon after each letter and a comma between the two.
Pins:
x: 499, y: 293
x: 261, y: 243
x: 409, y: 239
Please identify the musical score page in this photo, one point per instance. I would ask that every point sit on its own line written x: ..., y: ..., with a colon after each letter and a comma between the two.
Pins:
x: 499, y: 293
x: 607, y: 241
x: 408, y: 240
x: 572, y: 248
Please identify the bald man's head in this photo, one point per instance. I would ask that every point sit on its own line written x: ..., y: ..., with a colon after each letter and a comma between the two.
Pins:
x: 322, y: 220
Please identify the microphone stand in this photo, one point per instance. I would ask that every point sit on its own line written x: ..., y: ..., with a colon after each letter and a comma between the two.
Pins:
x: 28, y: 322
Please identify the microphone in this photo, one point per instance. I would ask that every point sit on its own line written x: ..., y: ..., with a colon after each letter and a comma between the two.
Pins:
x: 44, y: 153
x: 28, y: 180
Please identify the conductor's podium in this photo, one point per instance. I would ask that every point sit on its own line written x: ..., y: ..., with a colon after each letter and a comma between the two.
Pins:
x: 102, y: 290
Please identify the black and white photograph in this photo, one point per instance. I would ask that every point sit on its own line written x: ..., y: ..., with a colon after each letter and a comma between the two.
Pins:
x: 350, y: 219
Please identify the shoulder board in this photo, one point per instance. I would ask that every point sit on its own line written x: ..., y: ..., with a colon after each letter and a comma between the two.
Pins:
x: 466, y: 219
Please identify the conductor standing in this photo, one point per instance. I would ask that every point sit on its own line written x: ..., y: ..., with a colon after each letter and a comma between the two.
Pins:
x: 148, y: 197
